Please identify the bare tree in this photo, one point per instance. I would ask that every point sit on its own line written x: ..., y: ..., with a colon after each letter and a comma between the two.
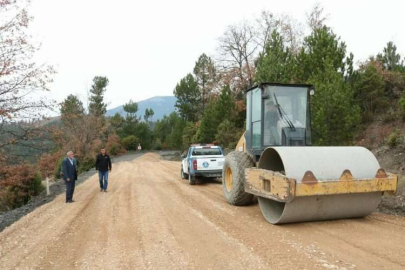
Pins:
x: 317, y: 17
x: 80, y: 133
x: 237, y: 48
x: 289, y: 28
x: 266, y: 23
x: 20, y: 77
x: 292, y: 32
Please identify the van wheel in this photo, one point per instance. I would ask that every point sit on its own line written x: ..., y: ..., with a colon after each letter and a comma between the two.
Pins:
x: 183, y: 174
x: 191, y: 179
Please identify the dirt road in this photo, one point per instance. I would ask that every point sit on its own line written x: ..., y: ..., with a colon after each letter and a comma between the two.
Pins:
x: 151, y: 219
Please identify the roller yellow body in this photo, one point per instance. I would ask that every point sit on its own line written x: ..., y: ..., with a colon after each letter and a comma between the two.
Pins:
x: 275, y: 186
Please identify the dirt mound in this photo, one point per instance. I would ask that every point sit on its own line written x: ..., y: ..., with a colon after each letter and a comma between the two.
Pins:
x: 149, y: 157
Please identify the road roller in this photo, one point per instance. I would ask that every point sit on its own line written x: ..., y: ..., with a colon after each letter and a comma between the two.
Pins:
x: 293, y: 181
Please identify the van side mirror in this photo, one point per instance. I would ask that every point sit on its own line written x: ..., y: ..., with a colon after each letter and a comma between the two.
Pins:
x: 183, y: 156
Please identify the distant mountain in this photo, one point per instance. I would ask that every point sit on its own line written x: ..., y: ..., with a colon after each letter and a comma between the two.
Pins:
x: 161, y: 105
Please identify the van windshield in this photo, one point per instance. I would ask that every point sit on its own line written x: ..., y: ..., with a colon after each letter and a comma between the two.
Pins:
x: 207, y: 152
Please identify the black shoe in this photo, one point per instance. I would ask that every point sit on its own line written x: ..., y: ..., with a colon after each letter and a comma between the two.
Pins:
x: 105, y: 190
x: 72, y: 201
x: 101, y: 190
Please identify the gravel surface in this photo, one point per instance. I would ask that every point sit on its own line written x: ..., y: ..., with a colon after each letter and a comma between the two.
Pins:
x: 56, y: 188
x: 152, y: 219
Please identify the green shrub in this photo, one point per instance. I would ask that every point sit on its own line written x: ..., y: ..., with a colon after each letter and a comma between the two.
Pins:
x: 389, y: 117
x: 114, y: 146
x: 114, y: 149
x: 58, y: 169
x: 86, y: 164
x: 232, y: 145
x: 130, y: 143
x: 367, y: 117
x: 401, y: 104
x: 228, y: 135
x: 394, y: 139
x: 157, y: 145
x: 36, y: 184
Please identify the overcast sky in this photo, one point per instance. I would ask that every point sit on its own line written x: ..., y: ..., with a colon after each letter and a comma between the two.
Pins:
x: 146, y: 47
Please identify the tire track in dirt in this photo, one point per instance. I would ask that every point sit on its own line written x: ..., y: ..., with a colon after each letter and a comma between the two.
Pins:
x: 228, y: 223
x: 354, y: 235
x: 50, y: 227
x: 152, y: 219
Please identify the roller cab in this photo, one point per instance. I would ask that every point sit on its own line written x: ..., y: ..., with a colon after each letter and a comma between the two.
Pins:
x: 292, y: 180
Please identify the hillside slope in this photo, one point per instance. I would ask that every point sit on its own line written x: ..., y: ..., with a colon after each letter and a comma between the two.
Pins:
x: 386, y: 140
x: 161, y: 105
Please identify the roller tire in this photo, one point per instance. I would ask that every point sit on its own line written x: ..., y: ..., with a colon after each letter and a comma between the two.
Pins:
x: 237, y: 162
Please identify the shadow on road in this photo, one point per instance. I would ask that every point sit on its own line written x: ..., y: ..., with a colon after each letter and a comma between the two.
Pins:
x: 202, y: 181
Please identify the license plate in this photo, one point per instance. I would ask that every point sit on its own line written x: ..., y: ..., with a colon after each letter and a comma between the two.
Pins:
x: 220, y: 163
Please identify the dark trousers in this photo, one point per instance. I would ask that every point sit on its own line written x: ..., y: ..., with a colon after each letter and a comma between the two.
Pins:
x: 70, y: 189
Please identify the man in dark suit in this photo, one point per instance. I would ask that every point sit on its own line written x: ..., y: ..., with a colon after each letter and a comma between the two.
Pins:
x: 69, y: 170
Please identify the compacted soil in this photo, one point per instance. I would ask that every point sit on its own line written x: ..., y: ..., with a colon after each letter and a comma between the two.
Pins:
x: 152, y: 219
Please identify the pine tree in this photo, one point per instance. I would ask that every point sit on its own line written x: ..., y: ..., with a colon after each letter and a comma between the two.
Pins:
x: 71, y: 108
x: 228, y: 135
x: 334, y: 111
x: 189, y: 134
x: 188, y: 98
x: 131, y: 108
x: 206, y: 77
x: 320, y: 48
x: 131, y: 120
x: 225, y: 105
x: 169, y: 131
x: 218, y: 109
x: 116, y: 123
x: 370, y: 90
x: 390, y: 58
x: 174, y: 139
x: 276, y: 63
x: 209, y: 124
x: 148, y: 114
x: 97, y: 107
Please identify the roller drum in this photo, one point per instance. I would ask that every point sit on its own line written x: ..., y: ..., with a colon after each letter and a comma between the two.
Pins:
x: 326, y: 163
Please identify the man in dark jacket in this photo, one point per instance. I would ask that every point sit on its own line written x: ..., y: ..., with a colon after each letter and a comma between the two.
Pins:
x: 103, y: 165
x: 69, y: 171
